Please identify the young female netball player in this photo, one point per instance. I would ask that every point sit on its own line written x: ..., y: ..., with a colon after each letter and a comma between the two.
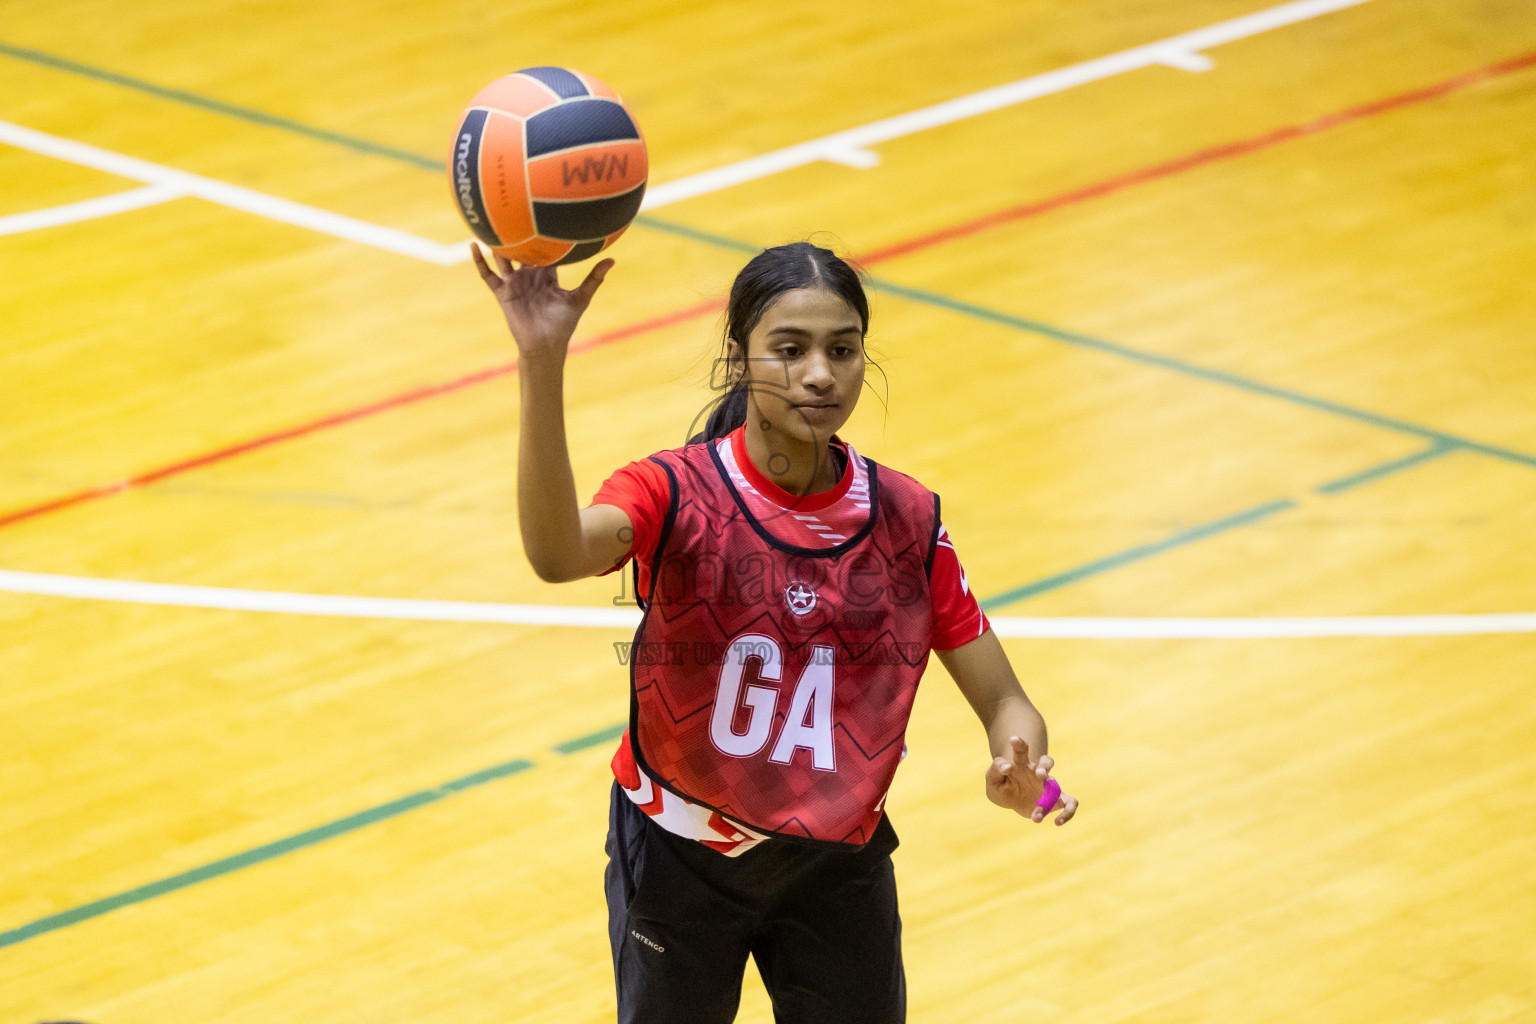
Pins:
x: 793, y: 590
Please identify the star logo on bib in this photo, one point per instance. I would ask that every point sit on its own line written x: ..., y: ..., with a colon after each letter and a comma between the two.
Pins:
x: 800, y: 597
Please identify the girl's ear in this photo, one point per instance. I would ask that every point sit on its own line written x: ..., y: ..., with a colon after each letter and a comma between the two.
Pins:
x: 735, y: 361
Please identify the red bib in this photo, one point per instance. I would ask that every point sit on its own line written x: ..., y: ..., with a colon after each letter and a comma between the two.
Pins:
x: 773, y: 683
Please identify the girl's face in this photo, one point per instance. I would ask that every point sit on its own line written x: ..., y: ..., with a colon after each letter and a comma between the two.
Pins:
x: 805, y: 364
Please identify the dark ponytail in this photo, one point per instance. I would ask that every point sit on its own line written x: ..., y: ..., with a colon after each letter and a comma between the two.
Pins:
x: 766, y: 276
x: 729, y: 412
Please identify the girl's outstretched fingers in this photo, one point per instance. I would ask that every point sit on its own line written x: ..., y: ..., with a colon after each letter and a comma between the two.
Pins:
x: 595, y: 276
x: 489, y: 276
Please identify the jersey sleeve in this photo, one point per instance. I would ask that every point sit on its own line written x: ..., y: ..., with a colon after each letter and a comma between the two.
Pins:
x: 642, y: 491
x: 957, y: 618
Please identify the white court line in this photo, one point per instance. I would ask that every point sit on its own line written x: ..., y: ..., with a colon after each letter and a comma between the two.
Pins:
x: 312, y: 604
x: 88, y: 209
x: 234, y: 197
x: 1065, y: 628
x: 627, y: 618
x: 851, y: 146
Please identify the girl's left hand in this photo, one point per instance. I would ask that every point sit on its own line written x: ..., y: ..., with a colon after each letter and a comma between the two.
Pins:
x: 1012, y: 785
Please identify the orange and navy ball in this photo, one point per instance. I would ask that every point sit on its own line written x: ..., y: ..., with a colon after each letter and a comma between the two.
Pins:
x: 548, y: 166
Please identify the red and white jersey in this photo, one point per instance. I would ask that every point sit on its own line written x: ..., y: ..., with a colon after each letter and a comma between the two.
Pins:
x: 820, y: 521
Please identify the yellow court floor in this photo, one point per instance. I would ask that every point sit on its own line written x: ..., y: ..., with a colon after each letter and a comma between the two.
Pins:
x: 1210, y: 321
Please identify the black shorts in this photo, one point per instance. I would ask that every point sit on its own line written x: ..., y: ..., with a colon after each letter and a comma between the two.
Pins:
x: 821, y: 924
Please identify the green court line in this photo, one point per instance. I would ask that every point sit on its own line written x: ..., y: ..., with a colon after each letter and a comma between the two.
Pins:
x: 1136, y: 554
x: 697, y: 235
x: 1365, y: 476
x: 410, y: 802
x: 249, y: 114
x: 1195, y: 370
x: 351, y: 823
x: 1212, y: 528
x: 594, y: 739
x: 362, y: 145
x: 355, y: 143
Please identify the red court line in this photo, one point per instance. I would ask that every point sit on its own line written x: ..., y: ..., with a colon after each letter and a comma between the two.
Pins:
x: 337, y: 419
x: 1007, y: 216
x: 1200, y: 159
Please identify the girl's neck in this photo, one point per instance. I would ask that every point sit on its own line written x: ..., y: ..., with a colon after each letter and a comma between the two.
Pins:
x: 799, y: 467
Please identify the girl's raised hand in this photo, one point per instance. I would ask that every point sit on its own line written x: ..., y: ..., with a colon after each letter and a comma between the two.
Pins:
x: 1018, y: 783
x: 541, y: 314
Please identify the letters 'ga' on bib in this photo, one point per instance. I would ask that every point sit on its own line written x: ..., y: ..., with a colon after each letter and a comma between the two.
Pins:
x: 773, y: 683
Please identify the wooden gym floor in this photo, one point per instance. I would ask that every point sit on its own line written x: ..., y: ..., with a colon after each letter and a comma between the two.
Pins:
x: 1219, y: 320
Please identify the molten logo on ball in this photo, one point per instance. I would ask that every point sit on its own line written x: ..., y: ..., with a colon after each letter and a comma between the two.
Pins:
x: 465, y: 186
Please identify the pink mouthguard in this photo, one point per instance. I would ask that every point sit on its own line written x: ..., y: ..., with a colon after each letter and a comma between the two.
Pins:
x: 1051, y: 795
